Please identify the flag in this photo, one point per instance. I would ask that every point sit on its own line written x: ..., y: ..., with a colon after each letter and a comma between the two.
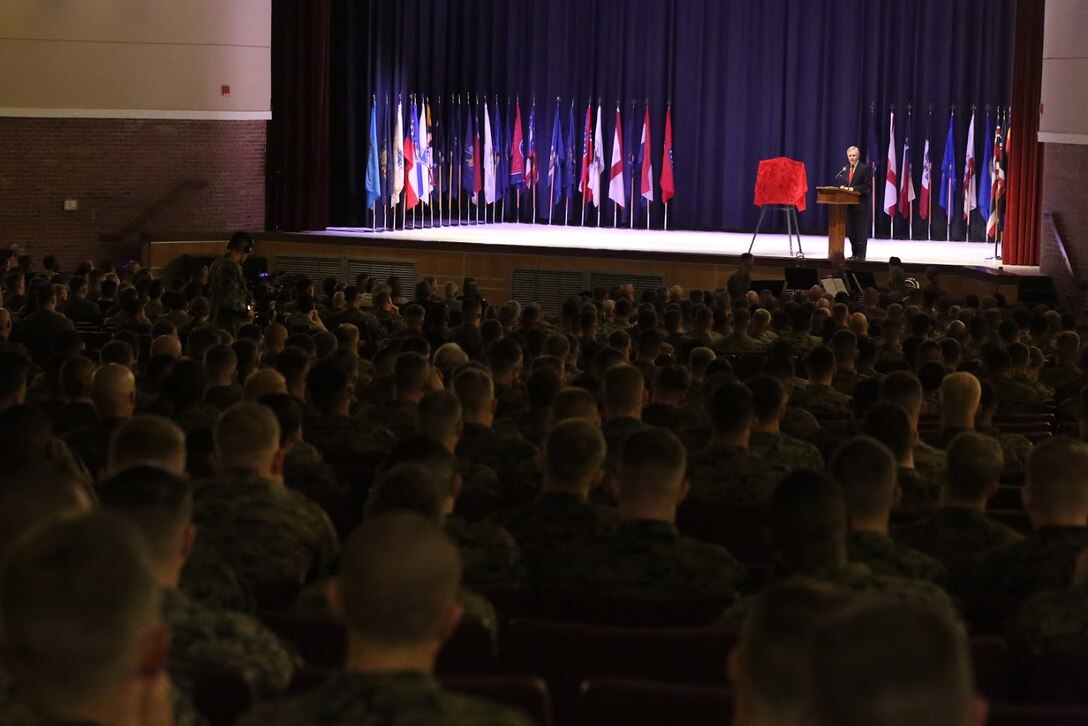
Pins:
x: 615, y: 177
x: 423, y: 155
x: 668, y: 186
x: 477, y: 160
x: 555, y: 159
x: 906, y: 178
x: 373, y: 179
x: 596, y: 166
x: 385, y: 155
x: 456, y: 146
x: 411, y: 142
x: 468, y: 164
x: 997, y: 185
x: 632, y: 166
x: 398, y: 157
x: 927, y: 167
x: 891, y: 187
x: 517, y: 152
x: 587, y: 152
x: 970, y: 184
x: 646, y: 185
x: 568, y: 158
x: 488, y: 160
x: 986, y: 172
x: 531, y: 172
x: 947, y: 188
x: 501, y: 143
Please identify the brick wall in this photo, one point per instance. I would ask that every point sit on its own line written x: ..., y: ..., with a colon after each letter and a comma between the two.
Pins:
x: 118, y: 169
x: 1065, y: 194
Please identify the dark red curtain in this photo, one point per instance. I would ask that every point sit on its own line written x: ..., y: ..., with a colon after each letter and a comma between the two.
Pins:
x: 1021, y: 246
x: 297, y: 192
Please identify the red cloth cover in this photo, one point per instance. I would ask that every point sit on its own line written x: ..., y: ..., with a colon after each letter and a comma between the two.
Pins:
x: 781, y: 181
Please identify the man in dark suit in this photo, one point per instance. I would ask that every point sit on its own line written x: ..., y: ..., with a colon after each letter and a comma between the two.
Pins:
x: 859, y: 178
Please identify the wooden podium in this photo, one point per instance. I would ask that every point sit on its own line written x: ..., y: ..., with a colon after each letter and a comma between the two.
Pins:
x: 838, y: 200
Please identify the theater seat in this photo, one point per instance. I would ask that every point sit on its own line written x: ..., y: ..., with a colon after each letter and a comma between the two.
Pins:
x: 220, y: 694
x: 565, y: 654
x: 646, y: 703
x: 1003, y: 714
x: 588, y: 606
x: 1058, y: 676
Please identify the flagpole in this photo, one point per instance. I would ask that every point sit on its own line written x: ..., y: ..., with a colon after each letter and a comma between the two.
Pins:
x: 388, y: 144
x: 666, y: 216
x: 910, y: 181
x: 634, y: 204
x: 929, y: 170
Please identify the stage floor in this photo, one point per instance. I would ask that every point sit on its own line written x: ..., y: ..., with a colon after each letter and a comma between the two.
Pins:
x: 936, y: 252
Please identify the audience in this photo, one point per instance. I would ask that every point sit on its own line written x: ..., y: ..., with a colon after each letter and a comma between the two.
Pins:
x: 397, y: 596
x: 555, y: 453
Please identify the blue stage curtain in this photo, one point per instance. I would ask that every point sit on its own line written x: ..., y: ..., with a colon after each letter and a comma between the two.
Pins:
x: 747, y: 80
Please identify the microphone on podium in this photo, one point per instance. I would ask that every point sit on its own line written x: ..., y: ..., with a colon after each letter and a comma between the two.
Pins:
x: 842, y: 171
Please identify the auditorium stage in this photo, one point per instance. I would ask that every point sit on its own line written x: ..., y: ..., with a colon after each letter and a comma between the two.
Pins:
x: 680, y: 242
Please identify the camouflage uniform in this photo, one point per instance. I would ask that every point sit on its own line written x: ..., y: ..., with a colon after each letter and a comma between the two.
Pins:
x: 784, y: 453
x: 645, y: 558
x: 91, y: 444
x: 822, y: 400
x: 223, y: 397
x: 929, y: 462
x: 386, y: 699
x: 857, y: 577
x: 729, y: 474
x: 1052, y: 619
x: 689, y: 425
x: 227, y: 294
x: 919, y: 495
x: 343, y: 440
x: 889, y: 351
x: 370, y: 330
x: 390, y: 321
x: 263, y: 531
x: 510, y: 401
x: 551, y: 521
x: 512, y: 460
x: 739, y: 343
x: 1009, y: 574
x: 375, y: 391
x: 798, y: 423
x: 1015, y: 397
x: 802, y: 341
x: 1042, y: 390
x: 532, y: 426
x: 204, y: 637
x: 211, y: 582
x: 396, y: 415
x: 616, y: 431
x: 488, y: 553
x: 846, y: 381
x: 1072, y: 388
x: 831, y: 435
x: 1015, y: 447
x: 956, y: 537
x: 881, y: 554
